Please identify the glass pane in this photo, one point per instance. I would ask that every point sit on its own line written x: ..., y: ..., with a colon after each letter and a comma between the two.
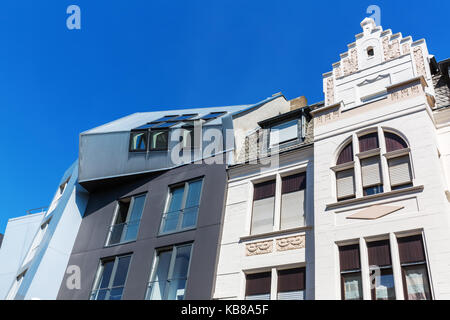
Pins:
x: 116, y: 293
x: 171, y: 221
x: 100, y: 294
x: 417, y: 283
x: 189, y: 217
x: 176, y: 289
x: 384, y: 287
x: 139, y: 141
x: 181, y: 262
x: 135, y: 216
x: 121, y: 271
x: 159, y: 281
x: 176, y: 199
x: 106, y: 274
x: 159, y: 140
x: 352, y: 286
x: 116, y: 233
x: 193, y: 197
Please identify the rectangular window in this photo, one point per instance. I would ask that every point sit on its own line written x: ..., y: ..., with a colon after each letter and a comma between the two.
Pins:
x: 371, y: 175
x: 159, y: 140
x: 111, y: 278
x: 345, y: 184
x: 170, y: 274
x: 138, y: 141
x: 400, y: 171
x: 126, y: 221
x: 263, y: 207
x: 291, y: 284
x: 16, y: 285
x: 416, y: 284
x: 283, y: 133
x: 257, y: 286
x: 293, y: 201
x: 182, y: 206
x: 380, y: 259
x: 350, y: 265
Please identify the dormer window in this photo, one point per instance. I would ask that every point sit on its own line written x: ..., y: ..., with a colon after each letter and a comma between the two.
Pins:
x: 284, y: 132
x: 370, y: 52
x: 159, y: 140
x: 138, y: 141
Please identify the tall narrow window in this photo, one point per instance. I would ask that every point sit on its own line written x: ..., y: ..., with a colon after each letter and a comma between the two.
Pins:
x: 416, y: 284
x: 138, y: 141
x: 170, y: 274
x: 126, y: 221
x: 371, y: 175
x: 16, y: 285
x: 380, y: 259
x: 293, y: 201
x: 111, y: 278
x: 159, y: 140
x: 182, y: 207
x: 399, y: 163
x: 263, y: 207
x: 257, y: 286
x: 345, y: 174
x: 349, y: 259
x: 36, y: 242
x: 291, y: 284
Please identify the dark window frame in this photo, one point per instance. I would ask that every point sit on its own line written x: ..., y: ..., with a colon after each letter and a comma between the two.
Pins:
x: 130, y: 145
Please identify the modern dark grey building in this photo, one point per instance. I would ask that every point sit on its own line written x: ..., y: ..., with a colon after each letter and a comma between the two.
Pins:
x: 152, y: 226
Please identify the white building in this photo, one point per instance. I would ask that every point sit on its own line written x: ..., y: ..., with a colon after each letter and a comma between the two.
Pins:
x: 372, y: 219
x: 380, y: 153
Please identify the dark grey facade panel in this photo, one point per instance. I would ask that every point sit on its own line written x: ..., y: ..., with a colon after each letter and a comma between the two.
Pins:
x: 89, y: 247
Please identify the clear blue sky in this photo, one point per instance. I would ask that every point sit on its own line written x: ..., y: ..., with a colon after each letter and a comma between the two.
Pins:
x: 132, y: 56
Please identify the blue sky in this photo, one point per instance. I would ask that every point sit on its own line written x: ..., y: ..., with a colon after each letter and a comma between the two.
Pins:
x: 132, y: 56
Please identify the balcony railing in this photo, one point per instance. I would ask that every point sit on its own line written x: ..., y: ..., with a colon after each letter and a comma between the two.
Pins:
x: 123, y: 232
x: 180, y: 219
x: 172, y: 289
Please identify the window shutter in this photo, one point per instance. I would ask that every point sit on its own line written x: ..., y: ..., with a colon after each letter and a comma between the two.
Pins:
x: 379, y: 253
x: 291, y: 280
x: 293, y: 209
x: 346, y: 154
x: 400, y: 170
x: 345, y: 183
x: 368, y: 142
x: 394, y: 142
x: 349, y: 257
x: 293, y: 183
x: 258, y: 286
x: 264, y: 190
x: 371, y: 173
x: 411, y: 249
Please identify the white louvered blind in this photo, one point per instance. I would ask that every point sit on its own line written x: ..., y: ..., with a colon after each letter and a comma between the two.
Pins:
x: 262, y: 219
x: 371, y: 173
x: 400, y: 171
x: 345, y: 183
x: 292, y: 295
x: 292, y: 209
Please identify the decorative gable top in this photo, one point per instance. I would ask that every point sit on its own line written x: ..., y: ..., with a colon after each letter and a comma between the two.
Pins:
x: 377, y: 59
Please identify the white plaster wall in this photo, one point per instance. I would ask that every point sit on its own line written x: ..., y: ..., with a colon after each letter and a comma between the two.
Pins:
x: 426, y: 210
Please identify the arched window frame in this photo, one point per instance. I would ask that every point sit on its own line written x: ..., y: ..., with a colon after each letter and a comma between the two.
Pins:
x: 389, y: 163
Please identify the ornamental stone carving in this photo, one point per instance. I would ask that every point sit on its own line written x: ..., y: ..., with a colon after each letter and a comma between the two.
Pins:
x: 391, y: 50
x: 420, y: 65
x: 350, y: 64
x: 406, y: 48
x: 256, y: 248
x: 330, y: 91
x: 291, y: 243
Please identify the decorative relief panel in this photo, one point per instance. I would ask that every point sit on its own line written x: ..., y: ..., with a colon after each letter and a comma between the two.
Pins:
x: 391, y: 50
x: 350, y: 64
x: 256, y: 248
x: 405, y: 93
x: 337, y: 72
x: 330, y: 91
x: 326, y: 116
x: 291, y: 243
x: 406, y: 48
x: 420, y: 65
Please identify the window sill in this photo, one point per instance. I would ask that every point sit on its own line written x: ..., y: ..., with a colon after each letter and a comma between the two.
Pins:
x: 369, y: 153
x: 374, y: 197
x: 274, y: 233
x: 397, y: 153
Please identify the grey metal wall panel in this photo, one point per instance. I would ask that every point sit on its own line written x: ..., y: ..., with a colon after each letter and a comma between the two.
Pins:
x: 89, y: 246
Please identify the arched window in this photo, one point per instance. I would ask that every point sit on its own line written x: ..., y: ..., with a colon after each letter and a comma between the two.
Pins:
x: 345, y: 173
x: 398, y: 159
x: 369, y: 156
